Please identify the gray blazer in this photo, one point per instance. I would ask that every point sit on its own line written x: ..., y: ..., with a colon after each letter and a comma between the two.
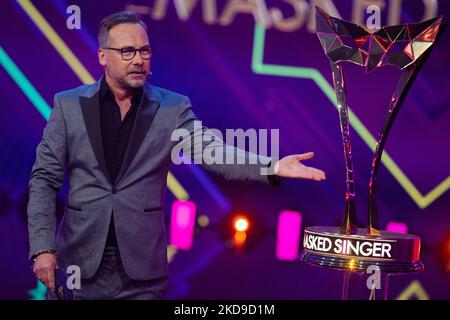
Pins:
x: 72, y: 141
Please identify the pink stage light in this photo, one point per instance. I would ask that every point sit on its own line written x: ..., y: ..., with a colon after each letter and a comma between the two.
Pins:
x: 399, y: 227
x: 182, y: 224
x: 288, y: 235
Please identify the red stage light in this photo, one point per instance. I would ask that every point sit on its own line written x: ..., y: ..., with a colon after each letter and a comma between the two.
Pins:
x: 241, y: 223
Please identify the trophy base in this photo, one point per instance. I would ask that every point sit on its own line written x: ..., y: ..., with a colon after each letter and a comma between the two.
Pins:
x: 391, y: 252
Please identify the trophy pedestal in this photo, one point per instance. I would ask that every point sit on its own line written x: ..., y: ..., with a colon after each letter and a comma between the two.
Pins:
x: 358, y: 285
x: 369, y: 261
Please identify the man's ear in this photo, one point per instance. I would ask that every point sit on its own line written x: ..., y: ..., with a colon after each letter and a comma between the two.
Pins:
x: 102, y: 57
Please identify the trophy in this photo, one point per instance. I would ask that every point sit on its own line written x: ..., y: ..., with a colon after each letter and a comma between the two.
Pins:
x: 348, y: 247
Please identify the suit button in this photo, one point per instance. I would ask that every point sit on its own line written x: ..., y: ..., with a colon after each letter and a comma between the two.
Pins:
x: 114, y: 191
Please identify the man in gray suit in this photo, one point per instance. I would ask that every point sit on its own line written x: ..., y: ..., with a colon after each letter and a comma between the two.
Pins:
x: 114, y: 139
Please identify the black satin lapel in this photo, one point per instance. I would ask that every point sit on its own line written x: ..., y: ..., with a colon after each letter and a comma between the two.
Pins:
x: 90, y: 106
x: 146, y: 113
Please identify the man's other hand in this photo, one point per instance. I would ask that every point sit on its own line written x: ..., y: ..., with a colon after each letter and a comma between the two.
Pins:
x: 44, y: 269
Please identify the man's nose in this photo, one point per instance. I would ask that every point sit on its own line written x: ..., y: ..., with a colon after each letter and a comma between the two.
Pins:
x: 138, y: 59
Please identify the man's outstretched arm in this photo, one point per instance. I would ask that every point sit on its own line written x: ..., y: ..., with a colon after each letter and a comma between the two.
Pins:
x: 254, y: 165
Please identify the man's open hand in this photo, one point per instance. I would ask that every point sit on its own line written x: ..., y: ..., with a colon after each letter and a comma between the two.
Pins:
x: 291, y: 167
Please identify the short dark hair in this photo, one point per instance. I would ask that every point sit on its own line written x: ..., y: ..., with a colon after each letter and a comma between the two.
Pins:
x: 113, y: 20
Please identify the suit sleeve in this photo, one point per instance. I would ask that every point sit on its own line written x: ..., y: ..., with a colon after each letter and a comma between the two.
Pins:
x: 200, y: 141
x: 46, y: 178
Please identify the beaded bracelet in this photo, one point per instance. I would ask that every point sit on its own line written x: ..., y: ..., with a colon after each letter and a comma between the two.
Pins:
x: 42, y: 252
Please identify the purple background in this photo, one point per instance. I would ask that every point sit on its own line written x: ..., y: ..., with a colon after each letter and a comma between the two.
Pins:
x: 212, y: 65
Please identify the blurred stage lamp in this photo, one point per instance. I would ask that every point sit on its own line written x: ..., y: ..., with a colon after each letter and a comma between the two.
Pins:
x: 448, y: 255
x: 241, y: 223
x: 240, y: 230
x: 288, y: 235
x: 395, y: 226
x: 444, y: 253
x: 182, y: 224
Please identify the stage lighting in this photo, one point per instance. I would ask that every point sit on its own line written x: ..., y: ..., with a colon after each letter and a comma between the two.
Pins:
x: 239, y: 238
x: 182, y: 223
x: 203, y: 221
x: 399, y: 227
x: 241, y: 223
x: 445, y: 253
x: 240, y: 231
x: 448, y: 255
x: 288, y: 235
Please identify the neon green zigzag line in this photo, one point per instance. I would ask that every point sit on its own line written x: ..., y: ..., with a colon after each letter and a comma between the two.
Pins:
x: 25, y: 85
x: 259, y: 67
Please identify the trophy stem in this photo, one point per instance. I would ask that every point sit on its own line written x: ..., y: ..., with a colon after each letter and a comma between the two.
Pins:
x: 348, y: 225
x: 345, y: 284
x: 407, y: 79
x: 405, y: 82
x: 357, y: 285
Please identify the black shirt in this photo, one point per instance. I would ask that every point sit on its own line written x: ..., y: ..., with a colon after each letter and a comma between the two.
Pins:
x: 116, y: 134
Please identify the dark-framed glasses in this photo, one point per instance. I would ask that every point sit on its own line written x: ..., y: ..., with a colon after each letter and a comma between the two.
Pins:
x: 128, y: 53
